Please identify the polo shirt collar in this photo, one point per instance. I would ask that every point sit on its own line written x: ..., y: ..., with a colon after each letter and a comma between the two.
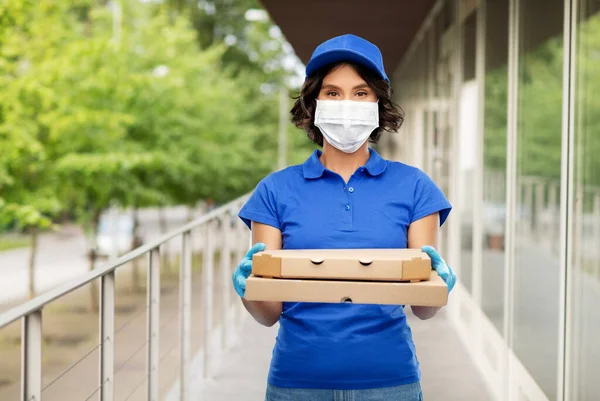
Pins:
x: 313, y: 168
x: 376, y: 164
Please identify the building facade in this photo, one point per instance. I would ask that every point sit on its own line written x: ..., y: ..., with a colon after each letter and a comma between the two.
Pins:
x: 500, y: 111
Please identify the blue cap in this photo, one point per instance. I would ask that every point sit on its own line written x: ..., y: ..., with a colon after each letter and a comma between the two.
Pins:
x: 347, y: 48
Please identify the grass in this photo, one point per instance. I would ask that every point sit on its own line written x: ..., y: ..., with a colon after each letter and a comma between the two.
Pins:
x: 8, y: 243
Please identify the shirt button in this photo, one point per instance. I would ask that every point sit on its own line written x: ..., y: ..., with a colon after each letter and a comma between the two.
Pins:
x: 350, y: 189
x: 347, y: 207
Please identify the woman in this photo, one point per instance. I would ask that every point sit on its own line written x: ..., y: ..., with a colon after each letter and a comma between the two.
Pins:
x: 345, y: 196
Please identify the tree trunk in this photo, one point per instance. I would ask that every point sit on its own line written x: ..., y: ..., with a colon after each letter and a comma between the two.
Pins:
x: 135, y: 264
x: 32, y: 254
x: 94, y: 303
x: 164, y: 255
x: 162, y: 220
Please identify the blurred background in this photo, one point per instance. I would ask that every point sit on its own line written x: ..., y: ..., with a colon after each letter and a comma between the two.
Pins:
x: 123, y: 120
x: 120, y: 119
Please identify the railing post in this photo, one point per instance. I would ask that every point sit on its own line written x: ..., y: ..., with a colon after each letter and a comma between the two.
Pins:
x: 234, y: 243
x: 554, y: 233
x: 239, y: 254
x: 541, y: 231
x: 107, y: 334
x: 31, y: 357
x: 207, y: 299
x: 153, y: 313
x: 528, y: 201
x: 596, y: 217
x: 596, y: 231
x: 185, y: 314
x: 225, y: 279
x: 577, y: 241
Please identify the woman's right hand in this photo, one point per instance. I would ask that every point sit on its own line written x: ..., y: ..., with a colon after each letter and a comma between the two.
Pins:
x: 244, y: 268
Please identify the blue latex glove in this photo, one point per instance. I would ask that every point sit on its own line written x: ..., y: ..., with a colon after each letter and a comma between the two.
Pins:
x: 244, y: 268
x: 440, y: 266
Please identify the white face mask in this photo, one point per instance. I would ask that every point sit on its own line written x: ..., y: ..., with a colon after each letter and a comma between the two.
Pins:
x: 346, y: 124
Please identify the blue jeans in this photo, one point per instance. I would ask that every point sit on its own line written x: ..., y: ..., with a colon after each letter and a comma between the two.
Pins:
x: 406, y: 392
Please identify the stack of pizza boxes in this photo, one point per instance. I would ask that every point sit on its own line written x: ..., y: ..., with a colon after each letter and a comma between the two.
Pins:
x: 361, y: 276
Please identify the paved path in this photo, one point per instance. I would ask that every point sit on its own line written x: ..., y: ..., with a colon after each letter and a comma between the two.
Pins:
x: 448, y: 373
x: 61, y: 256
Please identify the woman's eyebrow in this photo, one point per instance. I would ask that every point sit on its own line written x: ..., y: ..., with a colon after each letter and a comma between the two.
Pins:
x: 332, y: 86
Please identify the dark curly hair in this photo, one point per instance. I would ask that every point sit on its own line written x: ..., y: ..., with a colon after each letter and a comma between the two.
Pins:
x: 391, y: 115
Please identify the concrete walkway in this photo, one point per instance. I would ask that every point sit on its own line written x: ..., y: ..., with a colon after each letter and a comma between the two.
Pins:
x: 448, y: 373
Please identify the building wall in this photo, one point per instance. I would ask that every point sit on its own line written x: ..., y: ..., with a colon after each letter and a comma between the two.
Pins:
x: 500, y: 106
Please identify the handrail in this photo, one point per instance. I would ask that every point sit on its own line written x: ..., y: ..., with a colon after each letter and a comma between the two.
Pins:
x: 40, y: 301
x: 30, y: 312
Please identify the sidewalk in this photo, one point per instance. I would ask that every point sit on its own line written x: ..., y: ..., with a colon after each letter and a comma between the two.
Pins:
x: 448, y: 372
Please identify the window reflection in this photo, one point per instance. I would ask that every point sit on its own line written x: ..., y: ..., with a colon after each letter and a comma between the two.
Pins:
x: 537, y: 240
x: 494, y: 161
x: 467, y: 132
x: 585, y: 255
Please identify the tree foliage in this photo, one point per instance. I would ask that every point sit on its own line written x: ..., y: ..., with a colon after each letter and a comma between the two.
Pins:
x: 539, y: 109
x: 150, y: 103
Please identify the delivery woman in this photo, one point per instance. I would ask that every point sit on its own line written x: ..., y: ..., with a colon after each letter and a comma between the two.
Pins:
x: 345, y: 196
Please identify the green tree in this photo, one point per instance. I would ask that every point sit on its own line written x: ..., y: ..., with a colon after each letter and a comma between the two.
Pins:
x: 28, y: 200
x: 132, y: 111
x: 258, y: 57
x: 587, y: 104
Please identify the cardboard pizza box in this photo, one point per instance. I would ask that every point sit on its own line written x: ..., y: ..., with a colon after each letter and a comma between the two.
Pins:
x: 432, y: 292
x: 345, y: 264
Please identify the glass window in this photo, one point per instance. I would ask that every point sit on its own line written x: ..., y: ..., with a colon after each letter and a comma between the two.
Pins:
x: 493, y: 210
x: 467, y: 132
x: 537, y: 239
x: 436, y: 30
x: 443, y: 132
x: 585, y: 255
x: 447, y: 14
x: 426, y: 134
x: 423, y: 65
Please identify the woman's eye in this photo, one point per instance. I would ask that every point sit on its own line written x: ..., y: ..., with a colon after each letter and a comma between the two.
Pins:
x: 361, y: 94
x: 332, y: 93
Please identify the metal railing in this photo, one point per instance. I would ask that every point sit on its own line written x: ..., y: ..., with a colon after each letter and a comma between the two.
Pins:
x: 538, y: 216
x: 219, y: 223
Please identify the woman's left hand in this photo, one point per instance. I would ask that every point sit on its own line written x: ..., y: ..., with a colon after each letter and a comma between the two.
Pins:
x: 440, y: 266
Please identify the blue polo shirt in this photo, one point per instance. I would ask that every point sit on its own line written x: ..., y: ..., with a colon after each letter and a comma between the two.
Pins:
x: 344, y: 346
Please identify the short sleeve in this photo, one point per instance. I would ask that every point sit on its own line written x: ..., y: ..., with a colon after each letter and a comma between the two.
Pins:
x: 429, y: 199
x: 261, y: 207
